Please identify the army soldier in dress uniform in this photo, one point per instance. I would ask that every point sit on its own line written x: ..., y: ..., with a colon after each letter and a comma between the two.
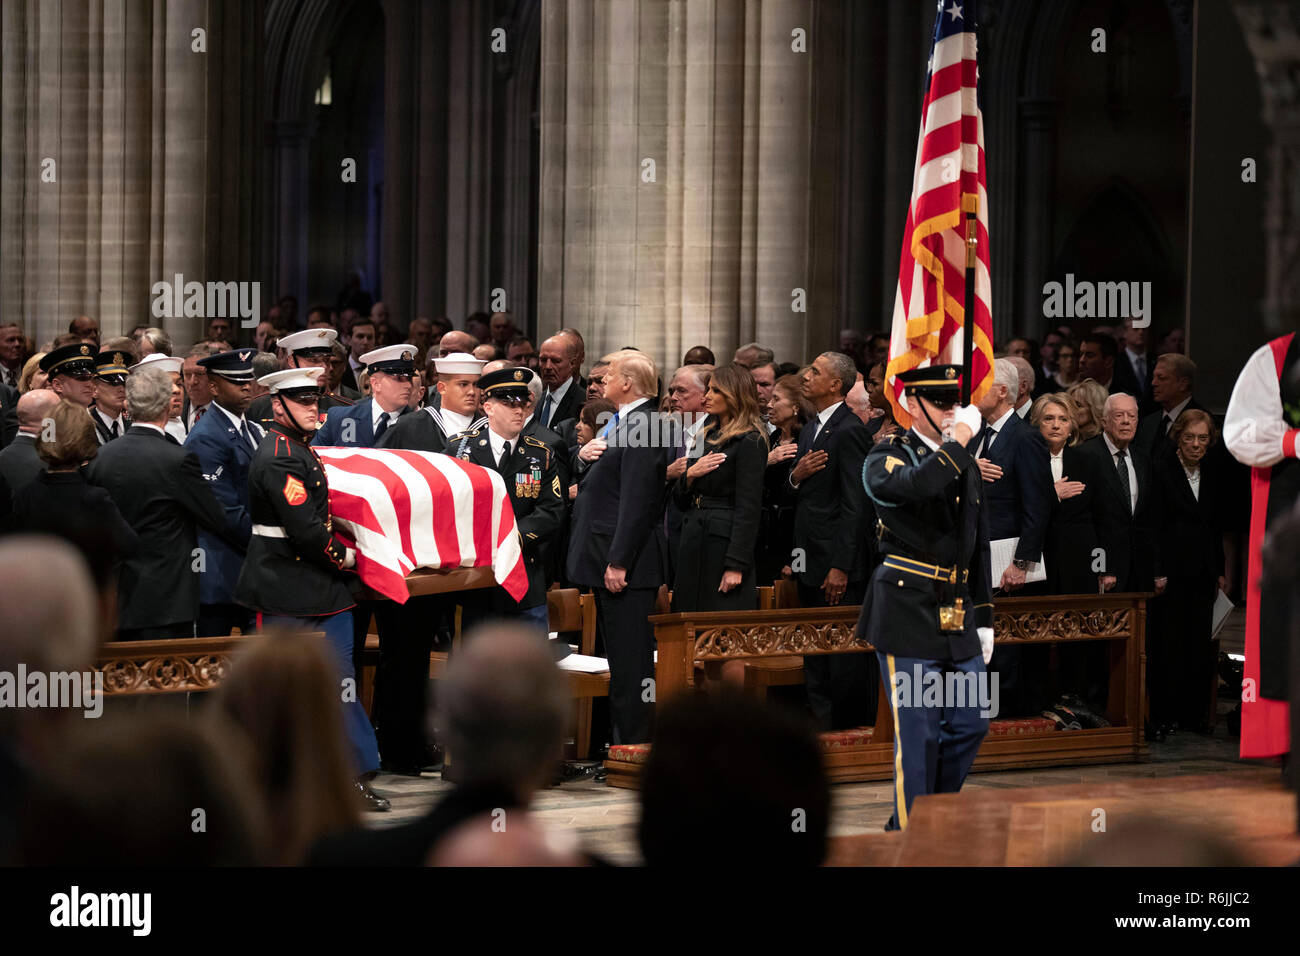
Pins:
x: 109, y: 409
x: 71, y: 372
x: 294, y: 574
x: 310, y: 348
x: 532, y: 477
x: 928, y: 607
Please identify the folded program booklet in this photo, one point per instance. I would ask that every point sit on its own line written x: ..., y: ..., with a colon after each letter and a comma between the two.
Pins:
x: 1001, y: 553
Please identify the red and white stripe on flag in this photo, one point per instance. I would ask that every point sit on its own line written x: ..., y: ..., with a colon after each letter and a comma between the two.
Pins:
x: 403, y: 510
x: 948, y: 182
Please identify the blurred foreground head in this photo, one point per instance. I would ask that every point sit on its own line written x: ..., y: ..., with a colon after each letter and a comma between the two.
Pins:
x: 283, y: 692
x: 733, y: 782
x: 501, y: 711
x: 148, y: 789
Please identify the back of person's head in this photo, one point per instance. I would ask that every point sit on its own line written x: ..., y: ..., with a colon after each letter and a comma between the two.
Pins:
x: 755, y: 767
x: 35, y: 406
x: 146, y: 790
x: 504, y: 837
x: 501, y: 710
x: 283, y: 692
x: 70, y: 439
x: 149, y: 394
x: 591, y: 412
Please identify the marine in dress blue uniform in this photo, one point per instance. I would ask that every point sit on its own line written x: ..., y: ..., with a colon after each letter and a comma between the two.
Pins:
x: 296, y: 573
x: 224, y: 441
x: 928, y: 607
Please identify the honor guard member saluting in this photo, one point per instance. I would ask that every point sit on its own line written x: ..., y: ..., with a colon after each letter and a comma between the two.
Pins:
x: 109, y: 410
x: 295, y: 572
x: 310, y: 348
x: 224, y: 441
x: 391, y: 371
x: 928, y: 608
x: 532, y: 476
x: 431, y: 428
x: 71, y: 372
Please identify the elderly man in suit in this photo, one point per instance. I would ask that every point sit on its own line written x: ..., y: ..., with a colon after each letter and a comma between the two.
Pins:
x: 1172, y: 382
x: 559, y: 360
x: 224, y: 440
x: 1012, y: 457
x: 617, y: 546
x: 833, y: 555
x: 18, y: 461
x: 159, y: 488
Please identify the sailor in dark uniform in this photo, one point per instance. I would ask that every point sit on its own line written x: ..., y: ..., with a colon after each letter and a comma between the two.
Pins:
x: 295, y: 574
x: 109, y: 410
x: 224, y: 440
x: 310, y: 348
x: 928, y: 608
x: 456, y: 411
x: 532, y: 477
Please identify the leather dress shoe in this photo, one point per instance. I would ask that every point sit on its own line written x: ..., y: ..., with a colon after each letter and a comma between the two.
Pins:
x: 371, y: 800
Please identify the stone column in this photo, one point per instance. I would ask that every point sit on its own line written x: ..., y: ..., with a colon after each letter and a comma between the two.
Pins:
x: 1038, y: 168
x: 677, y: 189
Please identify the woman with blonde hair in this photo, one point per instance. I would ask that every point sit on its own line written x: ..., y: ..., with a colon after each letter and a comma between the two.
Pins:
x: 31, y: 377
x: 1088, y: 405
x: 283, y: 693
x: 721, y: 496
x: 1071, y: 532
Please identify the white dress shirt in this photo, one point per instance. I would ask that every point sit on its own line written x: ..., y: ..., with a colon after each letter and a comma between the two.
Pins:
x: 556, y: 396
x: 236, y: 422
x: 1057, y: 462
x: 1174, y: 412
x: 1132, y: 473
x: 996, y: 428
x: 376, y: 411
x: 498, y: 444
x: 822, y: 418
x: 176, y: 428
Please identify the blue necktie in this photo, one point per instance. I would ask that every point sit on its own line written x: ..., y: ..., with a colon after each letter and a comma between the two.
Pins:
x: 609, y: 426
x: 248, y: 436
x: 546, y: 410
x: 382, y: 426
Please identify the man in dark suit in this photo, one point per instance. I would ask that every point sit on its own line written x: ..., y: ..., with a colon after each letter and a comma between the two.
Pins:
x: 1133, y: 365
x: 159, y: 489
x: 564, y: 394
x: 1013, y: 459
x: 1172, y: 382
x: 8, y: 414
x: 833, y: 554
x: 224, y: 440
x: 1126, y: 533
x: 19, y: 463
x: 616, y: 545
x: 359, y: 337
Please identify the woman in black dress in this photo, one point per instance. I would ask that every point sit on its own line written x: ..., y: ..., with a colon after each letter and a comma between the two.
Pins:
x: 720, y: 496
x: 1180, y: 666
x: 1071, y: 535
x: 786, y: 413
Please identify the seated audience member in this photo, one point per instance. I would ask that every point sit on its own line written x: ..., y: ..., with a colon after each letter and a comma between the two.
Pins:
x: 1071, y: 536
x: 500, y: 714
x: 141, y: 777
x: 699, y: 355
x: 1067, y: 367
x: 1087, y: 403
x: 521, y: 351
x: 759, y: 762
x: 787, y: 413
x: 32, y: 377
x: 281, y: 694
x: 1188, y: 500
x: 48, y: 607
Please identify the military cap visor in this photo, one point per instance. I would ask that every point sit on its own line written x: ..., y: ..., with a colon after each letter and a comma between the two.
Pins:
x: 110, y: 365
x: 940, y: 384
x: 75, y: 359
x: 391, y: 359
x: 235, y: 365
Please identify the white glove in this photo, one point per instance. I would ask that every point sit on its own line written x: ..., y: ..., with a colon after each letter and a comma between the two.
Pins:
x: 349, y: 558
x: 969, y: 416
x: 986, y: 642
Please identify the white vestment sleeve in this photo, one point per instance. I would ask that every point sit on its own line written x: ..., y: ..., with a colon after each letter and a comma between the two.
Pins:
x: 1253, y: 428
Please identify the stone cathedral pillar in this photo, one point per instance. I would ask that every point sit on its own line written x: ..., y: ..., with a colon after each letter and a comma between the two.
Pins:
x: 121, y: 148
x: 683, y: 193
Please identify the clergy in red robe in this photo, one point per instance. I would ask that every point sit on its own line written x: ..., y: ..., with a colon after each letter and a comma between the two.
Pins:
x: 1261, y: 430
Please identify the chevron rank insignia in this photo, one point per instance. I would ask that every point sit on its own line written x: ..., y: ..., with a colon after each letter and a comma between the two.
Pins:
x: 294, y: 491
x: 555, y: 486
x: 891, y: 463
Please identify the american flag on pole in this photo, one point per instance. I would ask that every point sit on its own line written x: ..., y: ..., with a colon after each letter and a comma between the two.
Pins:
x: 948, y: 182
x: 403, y: 510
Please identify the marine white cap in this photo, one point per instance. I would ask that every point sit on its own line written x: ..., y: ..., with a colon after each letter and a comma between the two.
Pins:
x: 459, y: 363
x: 291, y: 378
x: 309, y: 339
x: 168, y: 363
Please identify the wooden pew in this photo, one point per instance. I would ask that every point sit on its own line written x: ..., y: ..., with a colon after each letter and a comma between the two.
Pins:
x: 178, y: 666
x: 867, y: 753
